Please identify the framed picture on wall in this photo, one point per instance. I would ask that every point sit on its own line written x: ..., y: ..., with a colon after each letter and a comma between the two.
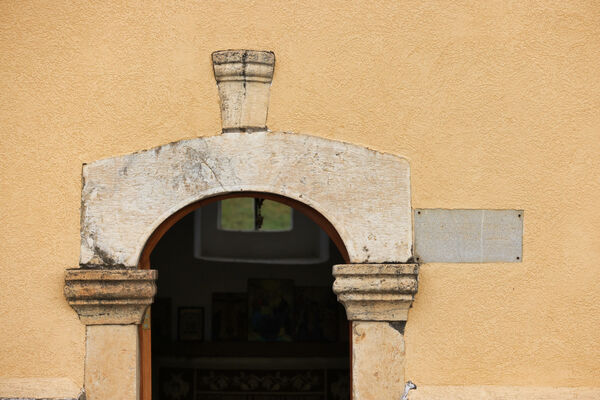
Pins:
x: 190, y: 324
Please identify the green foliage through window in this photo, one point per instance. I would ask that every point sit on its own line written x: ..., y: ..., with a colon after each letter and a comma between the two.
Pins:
x: 237, y: 214
x: 252, y: 214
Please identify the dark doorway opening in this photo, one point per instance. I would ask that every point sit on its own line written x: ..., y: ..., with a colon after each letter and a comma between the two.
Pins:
x: 244, y: 309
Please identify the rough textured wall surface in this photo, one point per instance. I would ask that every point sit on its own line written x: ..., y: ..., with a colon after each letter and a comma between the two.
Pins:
x: 494, y: 103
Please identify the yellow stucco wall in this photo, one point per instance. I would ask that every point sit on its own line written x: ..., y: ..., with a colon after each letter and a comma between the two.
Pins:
x: 496, y: 105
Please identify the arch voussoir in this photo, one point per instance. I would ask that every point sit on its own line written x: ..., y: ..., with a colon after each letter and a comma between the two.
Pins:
x: 365, y: 194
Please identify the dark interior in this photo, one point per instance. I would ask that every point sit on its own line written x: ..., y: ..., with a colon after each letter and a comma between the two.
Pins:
x: 240, y: 329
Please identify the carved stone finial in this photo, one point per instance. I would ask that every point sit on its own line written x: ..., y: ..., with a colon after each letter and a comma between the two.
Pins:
x: 376, y: 292
x: 109, y: 296
x: 244, y: 80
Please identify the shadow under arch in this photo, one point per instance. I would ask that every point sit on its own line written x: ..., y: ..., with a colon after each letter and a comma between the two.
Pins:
x: 145, y: 346
x: 314, y: 215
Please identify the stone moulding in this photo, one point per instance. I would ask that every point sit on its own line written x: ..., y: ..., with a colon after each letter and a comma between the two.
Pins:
x: 243, y: 65
x: 376, y: 292
x: 107, y: 297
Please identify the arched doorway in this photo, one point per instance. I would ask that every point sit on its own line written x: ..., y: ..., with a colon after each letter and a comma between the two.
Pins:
x: 128, y: 202
x: 308, y: 357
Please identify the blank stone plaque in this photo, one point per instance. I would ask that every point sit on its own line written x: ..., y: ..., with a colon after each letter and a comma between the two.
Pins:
x: 465, y: 236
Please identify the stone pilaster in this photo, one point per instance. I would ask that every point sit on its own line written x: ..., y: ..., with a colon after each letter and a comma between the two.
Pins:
x: 111, y: 362
x: 109, y: 296
x: 111, y: 302
x: 377, y: 298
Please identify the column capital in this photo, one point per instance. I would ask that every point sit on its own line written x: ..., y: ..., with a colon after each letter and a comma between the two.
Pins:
x: 376, y: 292
x: 110, y: 296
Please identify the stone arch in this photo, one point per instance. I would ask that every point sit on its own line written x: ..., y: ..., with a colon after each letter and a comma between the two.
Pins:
x: 363, y: 193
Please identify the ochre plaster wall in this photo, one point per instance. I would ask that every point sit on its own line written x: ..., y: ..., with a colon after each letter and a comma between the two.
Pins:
x: 494, y: 103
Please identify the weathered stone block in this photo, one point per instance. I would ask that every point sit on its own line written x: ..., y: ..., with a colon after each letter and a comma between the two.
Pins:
x: 111, y: 362
x: 377, y: 361
x: 103, y: 297
x: 244, y: 80
x: 376, y: 292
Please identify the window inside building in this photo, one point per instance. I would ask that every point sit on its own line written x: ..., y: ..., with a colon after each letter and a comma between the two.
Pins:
x: 251, y: 325
x: 253, y: 214
x: 284, y: 235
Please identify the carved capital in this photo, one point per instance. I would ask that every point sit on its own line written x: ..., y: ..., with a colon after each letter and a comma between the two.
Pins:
x: 376, y: 292
x: 243, y: 65
x: 109, y: 296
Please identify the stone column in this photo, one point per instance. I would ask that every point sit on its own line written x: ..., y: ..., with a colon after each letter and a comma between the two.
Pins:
x: 377, y: 298
x: 244, y: 80
x: 111, y: 302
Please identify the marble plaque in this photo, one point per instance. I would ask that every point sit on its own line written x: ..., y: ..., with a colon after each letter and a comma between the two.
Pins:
x: 465, y: 236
